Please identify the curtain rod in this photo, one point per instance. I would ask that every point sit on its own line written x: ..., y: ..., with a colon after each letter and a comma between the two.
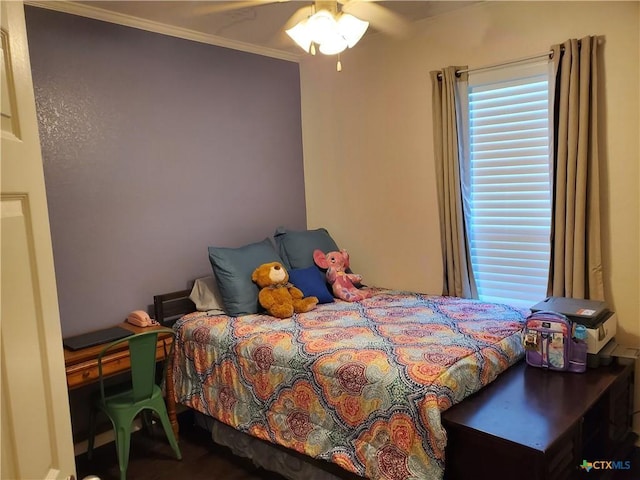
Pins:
x: 548, y: 54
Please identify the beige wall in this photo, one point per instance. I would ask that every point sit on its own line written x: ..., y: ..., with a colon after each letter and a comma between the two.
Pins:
x: 368, y: 146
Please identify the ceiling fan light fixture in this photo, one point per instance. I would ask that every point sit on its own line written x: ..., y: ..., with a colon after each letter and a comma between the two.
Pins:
x: 332, y: 33
x: 351, y: 28
x: 301, y: 34
x: 322, y: 26
x: 333, y: 44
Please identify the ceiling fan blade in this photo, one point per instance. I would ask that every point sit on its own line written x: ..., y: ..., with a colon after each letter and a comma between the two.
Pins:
x: 211, y: 8
x: 379, y: 17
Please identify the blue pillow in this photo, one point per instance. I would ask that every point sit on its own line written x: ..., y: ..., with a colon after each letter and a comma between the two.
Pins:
x: 296, y: 247
x: 312, y: 283
x: 233, y: 268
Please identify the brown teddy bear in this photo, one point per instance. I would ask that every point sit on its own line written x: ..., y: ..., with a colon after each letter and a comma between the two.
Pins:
x: 277, y: 295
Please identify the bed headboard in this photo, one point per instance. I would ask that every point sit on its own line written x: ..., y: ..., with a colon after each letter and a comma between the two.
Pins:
x: 169, y: 307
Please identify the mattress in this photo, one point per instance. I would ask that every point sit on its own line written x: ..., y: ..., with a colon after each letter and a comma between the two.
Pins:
x: 361, y: 384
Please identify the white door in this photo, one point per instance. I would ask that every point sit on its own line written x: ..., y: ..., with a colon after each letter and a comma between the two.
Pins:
x: 36, y: 426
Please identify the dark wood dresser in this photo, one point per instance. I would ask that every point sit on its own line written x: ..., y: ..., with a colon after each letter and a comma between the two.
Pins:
x: 537, y: 424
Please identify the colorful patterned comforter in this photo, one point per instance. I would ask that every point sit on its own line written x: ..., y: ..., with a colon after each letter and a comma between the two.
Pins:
x: 358, y: 384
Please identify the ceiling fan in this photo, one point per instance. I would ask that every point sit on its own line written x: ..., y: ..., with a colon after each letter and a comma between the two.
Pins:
x: 328, y: 26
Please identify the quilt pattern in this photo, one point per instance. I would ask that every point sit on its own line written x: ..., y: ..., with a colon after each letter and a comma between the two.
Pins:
x: 359, y: 384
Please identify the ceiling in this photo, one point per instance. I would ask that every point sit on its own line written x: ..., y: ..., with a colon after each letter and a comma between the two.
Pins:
x: 246, y: 25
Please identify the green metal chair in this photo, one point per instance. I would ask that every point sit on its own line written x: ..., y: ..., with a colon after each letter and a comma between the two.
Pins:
x: 122, y: 407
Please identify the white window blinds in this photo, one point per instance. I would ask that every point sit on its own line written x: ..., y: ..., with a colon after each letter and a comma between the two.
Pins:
x: 510, y: 208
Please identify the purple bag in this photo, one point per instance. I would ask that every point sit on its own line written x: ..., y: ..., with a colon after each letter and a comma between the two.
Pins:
x: 547, y: 340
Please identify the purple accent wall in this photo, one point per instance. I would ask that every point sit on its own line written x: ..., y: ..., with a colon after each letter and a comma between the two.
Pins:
x: 154, y: 148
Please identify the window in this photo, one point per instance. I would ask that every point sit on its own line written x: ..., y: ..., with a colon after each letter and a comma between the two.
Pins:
x: 509, y: 179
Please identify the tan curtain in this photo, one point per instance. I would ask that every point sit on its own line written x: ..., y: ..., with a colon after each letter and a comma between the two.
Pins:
x: 448, y: 92
x: 576, y: 259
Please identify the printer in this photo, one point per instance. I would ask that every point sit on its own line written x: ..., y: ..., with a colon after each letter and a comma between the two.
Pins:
x: 600, y: 322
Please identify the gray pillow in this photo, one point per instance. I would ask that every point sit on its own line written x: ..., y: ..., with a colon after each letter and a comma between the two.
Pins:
x: 233, y: 268
x: 296, y: 247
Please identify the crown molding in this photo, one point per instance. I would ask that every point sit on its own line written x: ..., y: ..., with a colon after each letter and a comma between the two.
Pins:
x: 96, y: 13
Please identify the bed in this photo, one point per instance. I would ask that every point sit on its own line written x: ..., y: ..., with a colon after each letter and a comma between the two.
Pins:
x: 347, y: 390
x: 357, y: 387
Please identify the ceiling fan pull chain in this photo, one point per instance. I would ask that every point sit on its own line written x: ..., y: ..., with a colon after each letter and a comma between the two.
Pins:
x: 339, y: 64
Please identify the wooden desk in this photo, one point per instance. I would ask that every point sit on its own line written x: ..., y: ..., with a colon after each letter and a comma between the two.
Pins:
x: 81, y: 366
x: 534, y: 424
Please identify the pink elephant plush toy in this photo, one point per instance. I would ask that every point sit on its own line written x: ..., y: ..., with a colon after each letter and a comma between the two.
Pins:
x: 336, y: 264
